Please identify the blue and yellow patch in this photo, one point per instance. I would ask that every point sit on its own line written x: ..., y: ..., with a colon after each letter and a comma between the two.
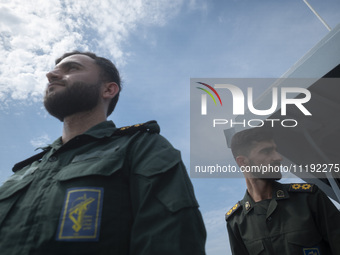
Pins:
x: 81, y: 215
x: 311, y: 251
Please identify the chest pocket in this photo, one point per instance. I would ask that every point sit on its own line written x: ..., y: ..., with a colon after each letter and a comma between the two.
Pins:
x: 305, y: 242
x: 98, y: 163
x: 96, y: 178
x: 13, y: 188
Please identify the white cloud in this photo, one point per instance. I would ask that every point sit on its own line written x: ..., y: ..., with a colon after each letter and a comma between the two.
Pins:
x: 34, y: 33
x: 40, y: 141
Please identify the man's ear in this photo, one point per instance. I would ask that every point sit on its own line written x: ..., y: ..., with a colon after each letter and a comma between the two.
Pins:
x: 241, y: 160
x: 110, y: 90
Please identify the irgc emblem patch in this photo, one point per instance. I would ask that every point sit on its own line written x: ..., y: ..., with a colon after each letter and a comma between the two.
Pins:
x: 81, y: 214
x: 311, y: 251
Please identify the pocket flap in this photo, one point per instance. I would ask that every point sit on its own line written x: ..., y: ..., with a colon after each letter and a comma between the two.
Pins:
x: 304, y: 238
x: 17, y: 182
x: 87, y: 165
x: 159, y: 163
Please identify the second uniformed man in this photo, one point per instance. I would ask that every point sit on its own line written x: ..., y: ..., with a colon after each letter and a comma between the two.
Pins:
x: 275, y: 218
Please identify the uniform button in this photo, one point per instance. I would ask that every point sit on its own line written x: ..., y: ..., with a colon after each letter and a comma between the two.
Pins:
x: 269, y: 219
x: 53, y: 158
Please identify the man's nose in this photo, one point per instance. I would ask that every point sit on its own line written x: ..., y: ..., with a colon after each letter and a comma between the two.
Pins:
x: 53, y: 75
x: 277, y: 157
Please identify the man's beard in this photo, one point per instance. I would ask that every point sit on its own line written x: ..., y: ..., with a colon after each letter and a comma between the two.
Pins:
x: 271, y: 171
x: 74, y: 98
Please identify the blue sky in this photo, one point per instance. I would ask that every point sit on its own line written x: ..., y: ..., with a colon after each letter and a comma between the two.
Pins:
x: 158, y: 46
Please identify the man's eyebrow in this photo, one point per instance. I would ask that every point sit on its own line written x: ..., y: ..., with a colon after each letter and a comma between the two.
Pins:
x: 268, y: 148
x: 68, y: 64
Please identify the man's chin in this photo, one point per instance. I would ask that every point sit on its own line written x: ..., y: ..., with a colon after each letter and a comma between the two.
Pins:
x: 274, y: 176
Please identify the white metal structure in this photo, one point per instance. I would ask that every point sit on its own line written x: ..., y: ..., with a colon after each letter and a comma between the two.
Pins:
x: 317, y: 138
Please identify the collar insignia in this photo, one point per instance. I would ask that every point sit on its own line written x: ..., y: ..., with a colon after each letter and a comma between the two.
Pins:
x: 247, y: 205
x: 280, y: 194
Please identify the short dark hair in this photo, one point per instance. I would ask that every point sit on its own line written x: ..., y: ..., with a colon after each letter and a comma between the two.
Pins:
x: 244, y: 141
x: 109, y: 73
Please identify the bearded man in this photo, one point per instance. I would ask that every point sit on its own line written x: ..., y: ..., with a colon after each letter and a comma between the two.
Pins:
x: 275, y: 218
x: 98, y: 189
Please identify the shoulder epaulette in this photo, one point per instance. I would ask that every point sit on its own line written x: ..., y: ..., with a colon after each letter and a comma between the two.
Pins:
x: 232, y: 210
x: 28, y: 161
x: 301, y: 187
x: 150, y: 126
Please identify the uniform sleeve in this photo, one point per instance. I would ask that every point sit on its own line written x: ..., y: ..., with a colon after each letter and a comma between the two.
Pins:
x: 236, y: 244
x: 328, y: 220
x: 166, y: 215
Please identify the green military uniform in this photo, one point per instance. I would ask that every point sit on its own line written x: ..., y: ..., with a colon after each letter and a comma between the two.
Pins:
x: 299, y: 219
x: 107, y: 191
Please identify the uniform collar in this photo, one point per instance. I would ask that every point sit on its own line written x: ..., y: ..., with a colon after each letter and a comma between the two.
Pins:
x: 248, y: 203
x: 279, y: 192
x: 101, y: 130
x: 104, y: 129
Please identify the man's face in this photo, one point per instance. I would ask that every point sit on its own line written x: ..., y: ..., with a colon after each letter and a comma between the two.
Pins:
x: 73, y: 86
x: 265, y: 156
